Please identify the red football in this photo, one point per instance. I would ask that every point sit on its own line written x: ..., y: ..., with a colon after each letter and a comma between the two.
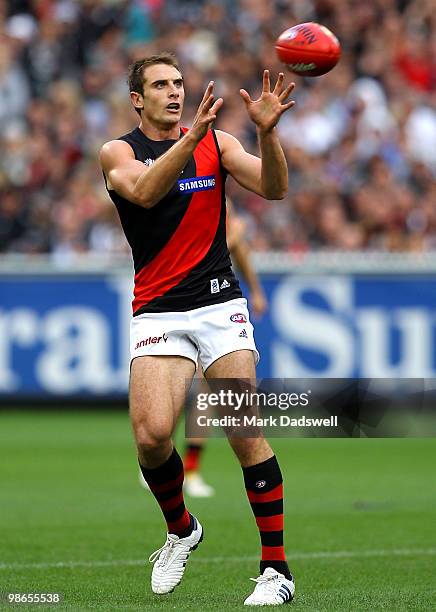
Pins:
x: 308, y: 49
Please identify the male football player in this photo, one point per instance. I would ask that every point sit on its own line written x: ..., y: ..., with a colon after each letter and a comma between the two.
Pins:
x: 167, y: 183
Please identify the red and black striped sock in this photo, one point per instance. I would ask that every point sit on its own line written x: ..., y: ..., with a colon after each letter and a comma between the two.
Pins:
x: 264, y: 485
x: 166, y: 482
x: 191, y: 460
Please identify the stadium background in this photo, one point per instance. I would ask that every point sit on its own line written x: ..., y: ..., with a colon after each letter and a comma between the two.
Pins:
x: 347, y: 261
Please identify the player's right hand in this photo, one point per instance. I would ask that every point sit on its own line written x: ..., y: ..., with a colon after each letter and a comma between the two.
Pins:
x: 258, y: 303
x: 206, y: 113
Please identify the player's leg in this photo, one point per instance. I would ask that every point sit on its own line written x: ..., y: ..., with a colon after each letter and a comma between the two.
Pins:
x: 157, y: 395
x: 195, y: 486
x: 264, y: 486
x: 194, y: 483
x: 192, y: 456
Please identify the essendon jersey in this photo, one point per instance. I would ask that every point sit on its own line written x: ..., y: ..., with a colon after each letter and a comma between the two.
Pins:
x: 179, y: 245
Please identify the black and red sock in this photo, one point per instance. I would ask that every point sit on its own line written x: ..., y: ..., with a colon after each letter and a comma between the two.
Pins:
x: 191, y: 460
x: 166, y: 484
x: 264, y: 485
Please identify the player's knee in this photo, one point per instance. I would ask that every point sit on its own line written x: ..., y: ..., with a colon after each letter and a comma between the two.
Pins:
x: 149, y: 440
x: 251, y: 450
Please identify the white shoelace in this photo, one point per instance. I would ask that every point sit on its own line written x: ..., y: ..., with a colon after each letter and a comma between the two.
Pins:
x: 165, y: 549
x: 266, y: 581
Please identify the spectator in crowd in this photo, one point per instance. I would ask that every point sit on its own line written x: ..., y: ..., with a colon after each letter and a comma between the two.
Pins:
x: 360, y: 144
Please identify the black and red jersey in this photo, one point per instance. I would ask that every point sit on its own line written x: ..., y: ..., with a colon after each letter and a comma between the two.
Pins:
x: 179, y: 245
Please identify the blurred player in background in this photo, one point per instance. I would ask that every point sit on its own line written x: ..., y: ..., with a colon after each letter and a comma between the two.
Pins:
x: 167, y: 183
x: 194, y: 485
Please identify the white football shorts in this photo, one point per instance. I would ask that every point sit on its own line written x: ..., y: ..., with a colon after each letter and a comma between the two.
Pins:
x: 202, y: 334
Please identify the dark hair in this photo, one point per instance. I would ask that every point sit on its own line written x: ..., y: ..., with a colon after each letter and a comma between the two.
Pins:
x: 136, y: 70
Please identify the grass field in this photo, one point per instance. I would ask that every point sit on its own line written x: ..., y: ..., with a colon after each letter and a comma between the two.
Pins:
x: 360, y: 518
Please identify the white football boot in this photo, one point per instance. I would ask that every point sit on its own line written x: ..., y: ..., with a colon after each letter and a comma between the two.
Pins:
x: 170, y: 560
x: 272, y: 589
x: 195, y: 486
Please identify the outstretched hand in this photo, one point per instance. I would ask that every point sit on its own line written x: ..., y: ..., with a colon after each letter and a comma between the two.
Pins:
x: 206, y: 112
x: 267, y: 110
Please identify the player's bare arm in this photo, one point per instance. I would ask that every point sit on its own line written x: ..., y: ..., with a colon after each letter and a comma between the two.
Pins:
x: 267, y: 176
x: 144, y: 185
x: 240, y: 253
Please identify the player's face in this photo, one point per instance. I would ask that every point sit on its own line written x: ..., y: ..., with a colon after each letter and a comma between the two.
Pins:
x: 164, y: 94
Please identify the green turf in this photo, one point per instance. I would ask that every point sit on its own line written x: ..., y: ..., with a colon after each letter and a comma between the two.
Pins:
x: 360, y: 515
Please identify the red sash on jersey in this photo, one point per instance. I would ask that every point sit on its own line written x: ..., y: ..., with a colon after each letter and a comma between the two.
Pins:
x: 192, y: 239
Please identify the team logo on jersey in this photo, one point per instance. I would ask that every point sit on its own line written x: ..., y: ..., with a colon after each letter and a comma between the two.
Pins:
x: 238, y: 317
x: 197, y: 183
x: 214, y: 286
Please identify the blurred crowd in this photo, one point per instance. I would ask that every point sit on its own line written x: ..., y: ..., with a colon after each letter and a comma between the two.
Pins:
x: 360, y: 141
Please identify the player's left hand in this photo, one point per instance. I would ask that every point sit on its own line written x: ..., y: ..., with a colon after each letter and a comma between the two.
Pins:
x: 267, y: 110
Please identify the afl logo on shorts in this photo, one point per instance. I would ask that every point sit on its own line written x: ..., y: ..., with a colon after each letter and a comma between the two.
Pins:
x: 238, y: 317
x: 260, y: 484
